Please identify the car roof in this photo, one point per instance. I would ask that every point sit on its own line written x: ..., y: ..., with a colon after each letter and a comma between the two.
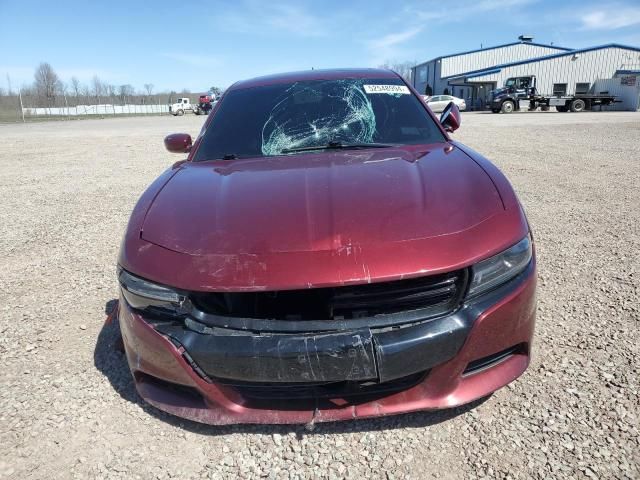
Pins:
x: 328, y: 74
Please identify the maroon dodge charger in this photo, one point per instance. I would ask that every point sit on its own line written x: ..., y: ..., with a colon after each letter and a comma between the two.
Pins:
x: 325, y: 252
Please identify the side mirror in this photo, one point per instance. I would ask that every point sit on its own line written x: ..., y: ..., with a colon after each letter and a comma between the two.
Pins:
x: 178, y: 142
x: 450, y: 118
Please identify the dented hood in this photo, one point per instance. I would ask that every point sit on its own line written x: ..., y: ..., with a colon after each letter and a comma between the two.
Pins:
x: 326, y: 201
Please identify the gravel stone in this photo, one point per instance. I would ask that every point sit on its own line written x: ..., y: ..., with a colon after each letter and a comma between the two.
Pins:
x: 68, y: 408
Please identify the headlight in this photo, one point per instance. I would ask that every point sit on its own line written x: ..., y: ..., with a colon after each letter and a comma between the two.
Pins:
x: 500, y: 268
x: 142, y: 294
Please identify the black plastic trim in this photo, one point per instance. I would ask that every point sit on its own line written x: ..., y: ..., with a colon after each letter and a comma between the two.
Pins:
x: 354, y: 353
x: 489, y: 361
x: 306, y: 326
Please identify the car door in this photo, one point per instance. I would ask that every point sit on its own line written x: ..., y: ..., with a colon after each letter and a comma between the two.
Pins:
x: 522, y: 87
x: 435, y: 103
x: 457, y: 100
x: 446, y: 99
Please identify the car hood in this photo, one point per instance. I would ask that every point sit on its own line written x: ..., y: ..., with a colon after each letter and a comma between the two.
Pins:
x: 329, y: 201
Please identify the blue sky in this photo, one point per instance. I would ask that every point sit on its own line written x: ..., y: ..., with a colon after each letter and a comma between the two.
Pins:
x: 196, y: 44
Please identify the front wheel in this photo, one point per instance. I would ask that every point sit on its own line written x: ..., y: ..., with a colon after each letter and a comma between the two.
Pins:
x: 508, y: 107
x: 179, y: 112
x: 578, y: 105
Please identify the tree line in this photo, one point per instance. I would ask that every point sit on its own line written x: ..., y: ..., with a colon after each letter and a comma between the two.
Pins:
x: 49, y: 90
x: 401, y: 68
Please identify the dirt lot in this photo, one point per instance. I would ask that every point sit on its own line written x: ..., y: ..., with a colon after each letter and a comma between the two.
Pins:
x: 67, y: 405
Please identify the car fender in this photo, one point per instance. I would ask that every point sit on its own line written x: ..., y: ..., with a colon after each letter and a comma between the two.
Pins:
x: 502, y: 184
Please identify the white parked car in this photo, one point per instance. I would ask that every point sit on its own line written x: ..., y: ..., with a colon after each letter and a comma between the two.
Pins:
x: 181, y: 106
x: 437, y: 103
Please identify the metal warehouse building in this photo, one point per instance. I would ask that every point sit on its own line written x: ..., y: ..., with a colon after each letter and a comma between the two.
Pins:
x: 473, y: 75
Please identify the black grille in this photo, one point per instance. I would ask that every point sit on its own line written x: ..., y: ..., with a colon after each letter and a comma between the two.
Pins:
x: 354, y: 392
x: 439, y: 294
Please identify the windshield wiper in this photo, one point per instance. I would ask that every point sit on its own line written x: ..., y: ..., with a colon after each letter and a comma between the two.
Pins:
x: 338, y: 146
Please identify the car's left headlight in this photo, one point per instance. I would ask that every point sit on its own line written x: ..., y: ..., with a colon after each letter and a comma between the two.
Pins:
x: 142, y: 294
x: 500, y: 268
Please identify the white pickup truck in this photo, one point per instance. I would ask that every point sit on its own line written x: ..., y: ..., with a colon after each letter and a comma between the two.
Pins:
x: 181, y: 106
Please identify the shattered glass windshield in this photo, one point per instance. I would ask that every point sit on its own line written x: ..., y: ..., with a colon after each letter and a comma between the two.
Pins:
x: 288, y: 117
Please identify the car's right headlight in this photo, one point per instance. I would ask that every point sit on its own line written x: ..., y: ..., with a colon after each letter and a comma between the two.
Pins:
x: 500, y: 268
x: 143, y: 294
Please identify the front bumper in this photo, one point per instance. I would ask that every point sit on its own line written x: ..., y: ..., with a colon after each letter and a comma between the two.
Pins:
x: 436, y: 363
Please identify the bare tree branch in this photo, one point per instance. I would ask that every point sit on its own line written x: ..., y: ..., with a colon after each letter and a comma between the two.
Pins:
x: 97, y: 88
x: 125, y: 91
x: 401, y: 68
x: 46, y: 83
x: 75, y: 86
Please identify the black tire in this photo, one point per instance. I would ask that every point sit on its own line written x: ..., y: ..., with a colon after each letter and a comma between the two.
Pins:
x: 561, y: 108
x: 544, y: 108
x: 507, y: 106
x: 495, y: 110
x: 179, y: 112
x: 578, y: 105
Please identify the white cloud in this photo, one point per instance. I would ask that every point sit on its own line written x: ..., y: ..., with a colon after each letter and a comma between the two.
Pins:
x: 611, y: 19
x: 253, y: 17
x: 294, y: 20
x: 394, y: 39
x: 390, y: 47
x: 417, y: 18
x: 462, y: 11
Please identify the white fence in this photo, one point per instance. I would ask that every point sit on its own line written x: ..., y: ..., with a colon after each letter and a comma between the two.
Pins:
x: 105, y: 109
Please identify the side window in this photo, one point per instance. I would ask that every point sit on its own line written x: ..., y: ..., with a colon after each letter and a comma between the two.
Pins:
x: 559, y: 89
x: 437, y: 98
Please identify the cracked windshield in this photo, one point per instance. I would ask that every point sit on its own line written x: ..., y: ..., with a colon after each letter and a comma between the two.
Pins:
x: 313, y: 115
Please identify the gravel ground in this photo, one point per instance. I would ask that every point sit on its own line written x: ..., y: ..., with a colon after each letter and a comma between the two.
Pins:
x: 68, y: 408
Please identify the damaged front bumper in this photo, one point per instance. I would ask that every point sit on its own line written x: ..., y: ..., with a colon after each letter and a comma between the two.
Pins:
x: 353, y: 355
x: 222, y: 376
